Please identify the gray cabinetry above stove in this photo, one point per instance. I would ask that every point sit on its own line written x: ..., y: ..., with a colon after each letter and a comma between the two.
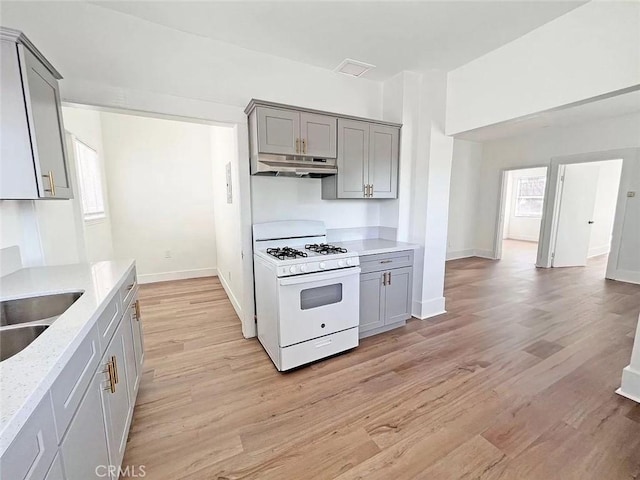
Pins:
x: 356, y: 157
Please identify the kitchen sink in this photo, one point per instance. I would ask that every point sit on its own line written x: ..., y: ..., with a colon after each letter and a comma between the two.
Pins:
x: 14, y: 340
x: 24, y: 310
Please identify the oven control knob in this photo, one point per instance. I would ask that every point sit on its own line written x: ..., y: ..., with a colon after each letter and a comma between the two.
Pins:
x: 322, y: 265
x: 341, y: 263
x: 348, y: 261
x: 303, y: 268
x: 293, y: 269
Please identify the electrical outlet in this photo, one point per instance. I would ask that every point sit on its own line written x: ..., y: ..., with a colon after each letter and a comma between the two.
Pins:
x: 167, y: 254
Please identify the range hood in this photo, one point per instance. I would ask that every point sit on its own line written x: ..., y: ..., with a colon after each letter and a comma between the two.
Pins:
x: 293, y: 166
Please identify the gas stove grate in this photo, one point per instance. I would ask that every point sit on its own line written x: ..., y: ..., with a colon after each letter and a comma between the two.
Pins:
x: 324, y: 248
x: 285, y: 253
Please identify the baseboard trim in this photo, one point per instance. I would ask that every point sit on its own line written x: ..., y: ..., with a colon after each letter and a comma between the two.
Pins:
x: 630, y: 387
x: 177, y: 275
x: 523, y: 239
x: 457, y: 254
x: 484, y: 254
x: 596, y: 251
x: 428, y: 308
x: 232, y: 297
x: 625, y: 276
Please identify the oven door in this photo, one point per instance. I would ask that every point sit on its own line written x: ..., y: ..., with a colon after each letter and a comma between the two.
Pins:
x: 318, y: 304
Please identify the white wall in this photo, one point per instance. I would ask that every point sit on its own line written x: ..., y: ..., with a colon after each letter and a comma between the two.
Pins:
x: 160, y: 177
x: 465, y: 170
x: 521, y: 228
x: 592, y: 50
x: 19, y: 227
x: 227, y: 215
x: 605, y: 207
x: 86, y: 126
x: 288, y: 198
x: 538, y: 148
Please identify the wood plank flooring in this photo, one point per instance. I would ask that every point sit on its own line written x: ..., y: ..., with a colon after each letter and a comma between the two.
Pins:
x: 516, y: 381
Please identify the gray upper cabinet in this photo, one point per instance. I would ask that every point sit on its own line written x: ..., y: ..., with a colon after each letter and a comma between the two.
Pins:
x: 353, y: 159
x: 367, y: 161
x: 383, y: 161
x: 278, y: 131
x: 295, y: 133
x: 33, y: 154
x: 318, y: 135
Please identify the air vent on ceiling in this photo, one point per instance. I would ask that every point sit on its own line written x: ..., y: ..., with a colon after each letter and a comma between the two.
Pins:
x: 353, y: 68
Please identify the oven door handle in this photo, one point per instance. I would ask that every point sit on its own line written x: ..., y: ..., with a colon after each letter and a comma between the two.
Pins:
x: 318, y: 277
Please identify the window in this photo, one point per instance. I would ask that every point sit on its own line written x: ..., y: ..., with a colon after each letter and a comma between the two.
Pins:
x: 530, y: 196
x: 90, y: 180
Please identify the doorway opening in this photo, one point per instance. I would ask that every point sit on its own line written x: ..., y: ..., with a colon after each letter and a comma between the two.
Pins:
x: 521, y: 210
x: 585, y: 210
x: 149, y: 188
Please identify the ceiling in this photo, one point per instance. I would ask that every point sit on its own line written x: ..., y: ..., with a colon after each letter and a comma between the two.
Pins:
x: 611, y: 106
x: 393, y: 35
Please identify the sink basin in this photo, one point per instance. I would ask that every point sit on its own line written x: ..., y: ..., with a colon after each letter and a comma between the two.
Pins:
x: 23, y: 310
x: 14, y: 340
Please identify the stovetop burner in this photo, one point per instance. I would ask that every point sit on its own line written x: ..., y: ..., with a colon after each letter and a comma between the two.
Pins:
x: 324, y: 248
x: 285, y: 252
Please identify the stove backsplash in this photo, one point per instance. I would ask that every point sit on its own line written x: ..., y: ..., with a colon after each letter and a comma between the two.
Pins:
x: 360, y: 233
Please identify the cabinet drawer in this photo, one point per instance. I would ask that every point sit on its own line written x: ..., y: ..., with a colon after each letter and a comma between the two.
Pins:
x: 108, y: 322
x: 128, y: 288
x: 69, y: 388
x: 32, y: 451
x: 386, y: 261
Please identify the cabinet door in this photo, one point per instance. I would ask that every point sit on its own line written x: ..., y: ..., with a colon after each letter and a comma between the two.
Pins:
x: 44, y: 111
x: 371, y: 301
x: 278, y: 131
x: 117, y: 404
x: 16, y: 159
x: 131, y: 363
x: 318, y: 133
x: 383, y: 160
x: 353, y: 158
x: 84, y: 447
x: 138, y: 342
x: 398, y: 295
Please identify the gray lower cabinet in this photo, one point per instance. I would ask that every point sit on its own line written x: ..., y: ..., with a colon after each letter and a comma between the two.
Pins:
x: 33, y: 156
x: 385, y: 291
x: 85, y: 445
x: 367, y: 161
x: 116, y: 402
x: 55, y: 472
x: 32, y: 452
x: 79, y: 430
x: 371, y: 301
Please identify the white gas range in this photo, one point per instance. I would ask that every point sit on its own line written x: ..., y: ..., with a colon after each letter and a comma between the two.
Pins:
x: 307, y: 293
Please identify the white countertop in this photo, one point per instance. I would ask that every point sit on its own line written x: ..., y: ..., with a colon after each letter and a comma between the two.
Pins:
x: 373, y: 246
x: 27, y: 376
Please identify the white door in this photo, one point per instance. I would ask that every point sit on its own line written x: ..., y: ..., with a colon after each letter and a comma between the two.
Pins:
x: 577, y: 199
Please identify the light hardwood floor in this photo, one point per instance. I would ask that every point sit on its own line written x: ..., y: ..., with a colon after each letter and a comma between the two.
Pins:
x: 516, y: 381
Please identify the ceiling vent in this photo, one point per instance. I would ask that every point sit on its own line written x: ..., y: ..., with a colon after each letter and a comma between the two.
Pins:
x: 353, y: 68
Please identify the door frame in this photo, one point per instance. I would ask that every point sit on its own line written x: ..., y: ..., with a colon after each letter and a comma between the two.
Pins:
x: 169, y: 107
x: 552, y: 202
x: 502, y: 206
